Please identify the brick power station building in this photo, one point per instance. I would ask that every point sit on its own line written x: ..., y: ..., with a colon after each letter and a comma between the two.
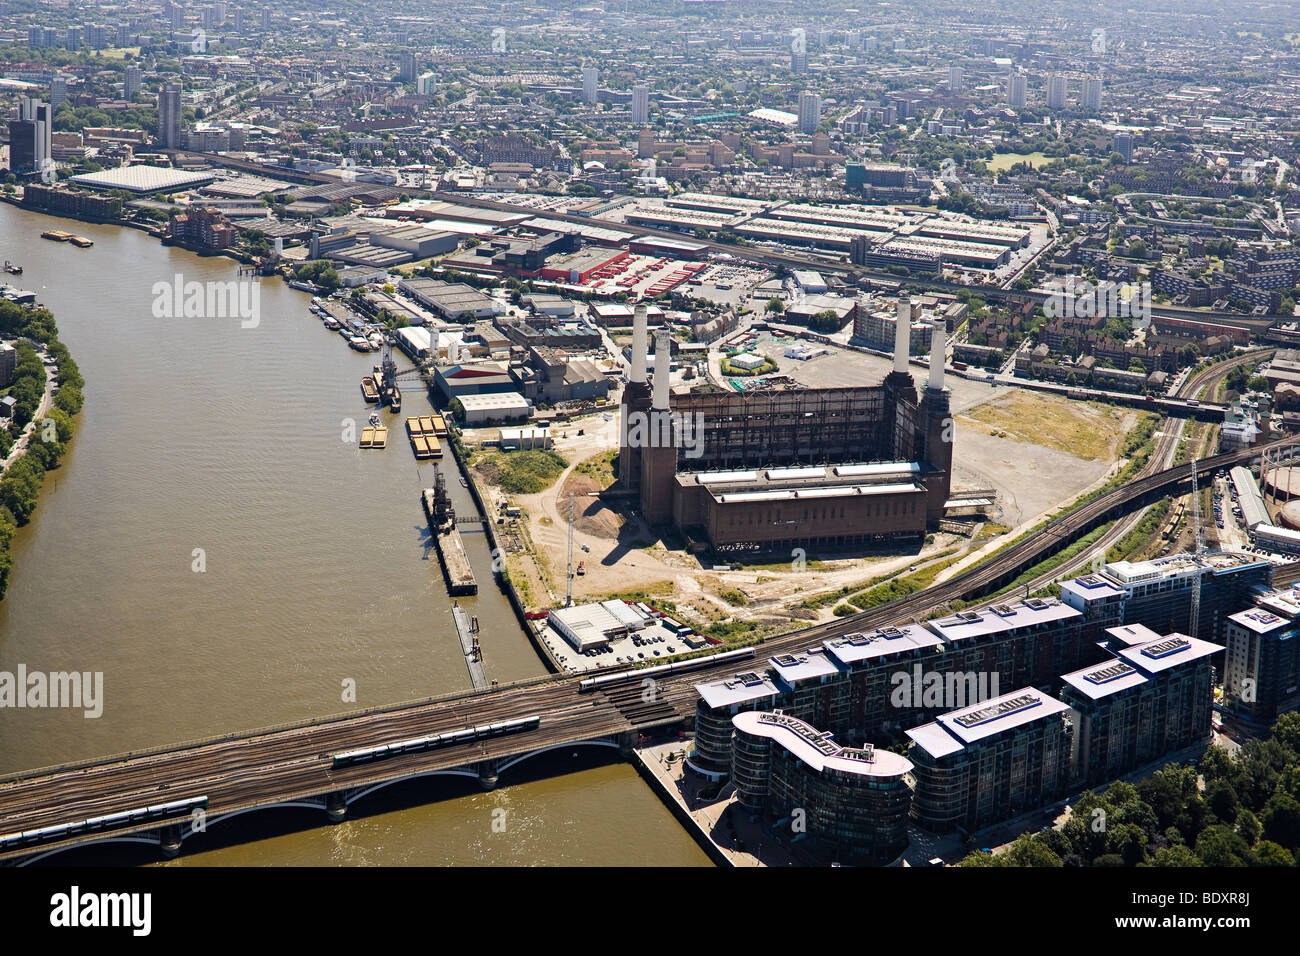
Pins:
x: 813, y: 466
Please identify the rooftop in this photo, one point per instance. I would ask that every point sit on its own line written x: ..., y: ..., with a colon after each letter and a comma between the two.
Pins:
x: 143, y: 179
x: 957, y: 729
x: 738, y: 689
x: 1105, y: 679
x: 807, y: 665
x: 865, y: 645
x: 1170, y: 651
x: 1003, y: 617
x: 816, y: 748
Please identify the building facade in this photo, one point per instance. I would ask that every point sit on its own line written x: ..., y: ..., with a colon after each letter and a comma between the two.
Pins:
x: 851, y: 802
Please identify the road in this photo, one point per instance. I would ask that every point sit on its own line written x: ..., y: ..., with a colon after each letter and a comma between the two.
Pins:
x: 20, y: 446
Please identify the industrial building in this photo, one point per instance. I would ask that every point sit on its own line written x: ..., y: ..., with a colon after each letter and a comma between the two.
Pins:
x: 855, y: 798
x: 830, y: 466
x: 454, y: 302
x: 494, y: 409
x: 143, y: 180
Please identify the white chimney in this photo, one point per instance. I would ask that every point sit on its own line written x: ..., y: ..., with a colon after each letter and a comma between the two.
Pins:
x: 640, y: 343
x: 663, y: 359
x: 902, y: 333
x: 938, y: 354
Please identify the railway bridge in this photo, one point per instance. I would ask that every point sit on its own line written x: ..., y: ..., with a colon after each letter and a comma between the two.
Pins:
x: 165, y: 796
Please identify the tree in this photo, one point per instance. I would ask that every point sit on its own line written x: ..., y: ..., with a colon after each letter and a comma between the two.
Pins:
x: 1177, y: 855
x: 1222, y: 801
x: 1281, y: 819
x: 1269, y: 853
x: 1248, y: 827
x: 21, y: 486
x: 1029, y: 851
x: 775, y: 306
x: 1259, y: 383
x: 1220, y: 846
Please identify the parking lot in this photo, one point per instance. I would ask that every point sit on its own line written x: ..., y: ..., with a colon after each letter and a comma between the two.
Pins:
x: 726, y: 284
x: 654, y: 644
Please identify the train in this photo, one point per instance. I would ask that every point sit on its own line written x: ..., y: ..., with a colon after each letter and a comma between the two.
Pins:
x: 158, y: 811
x: 421, y: 744
x: 592, y: 683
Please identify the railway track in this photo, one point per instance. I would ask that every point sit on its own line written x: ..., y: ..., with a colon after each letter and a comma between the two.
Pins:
x: 1161, y: 459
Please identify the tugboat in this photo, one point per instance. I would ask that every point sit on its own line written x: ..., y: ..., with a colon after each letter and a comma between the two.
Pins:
x: 374, y: 419
x: 13, y: 268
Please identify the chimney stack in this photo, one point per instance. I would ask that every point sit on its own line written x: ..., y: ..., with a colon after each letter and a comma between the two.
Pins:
x: 902, y: 333
x: 640, y: 343
x: 663, y: 358
x: 938, y: 353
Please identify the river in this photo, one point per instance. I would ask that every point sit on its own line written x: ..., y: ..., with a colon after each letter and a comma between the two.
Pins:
x: 217, y: 550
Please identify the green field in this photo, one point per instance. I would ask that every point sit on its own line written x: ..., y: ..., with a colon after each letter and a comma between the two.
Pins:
x: 1001, y: 162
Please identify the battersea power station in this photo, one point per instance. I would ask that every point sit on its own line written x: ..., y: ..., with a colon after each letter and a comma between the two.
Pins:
x: 795, y: 467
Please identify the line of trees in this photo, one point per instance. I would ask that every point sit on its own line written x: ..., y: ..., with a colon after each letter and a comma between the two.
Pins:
x: 1237, y: 811
x: 21, y: 485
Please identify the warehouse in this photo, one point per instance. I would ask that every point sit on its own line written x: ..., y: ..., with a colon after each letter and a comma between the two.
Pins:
x: 420, y: 242
x: 473, y: 378
x: 454, y: 302
x: 143, y: 180
x: 494, y: 409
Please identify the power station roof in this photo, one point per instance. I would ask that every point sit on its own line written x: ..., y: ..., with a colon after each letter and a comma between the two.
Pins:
x: 832, y: 491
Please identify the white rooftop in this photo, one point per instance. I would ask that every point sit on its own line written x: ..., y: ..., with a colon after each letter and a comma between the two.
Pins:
x: 957, y: 729
x: 1131, y: 634
x: 738, y: 689
x: 1105, y: 679
x: 817, y: 749
x: 142, y: 179
x: 1169, y: 651
x: 1003, y: 617
x: 865, y: 645
x: 806, y: 665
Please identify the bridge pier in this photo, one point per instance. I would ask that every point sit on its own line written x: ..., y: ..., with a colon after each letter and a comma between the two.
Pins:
x: 169, y: 840
x: 627, y: 743
x: 487, y: 775
x: 336, y: 806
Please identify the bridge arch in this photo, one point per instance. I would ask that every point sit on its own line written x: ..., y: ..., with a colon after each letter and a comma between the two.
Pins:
x: 188, y: 829
x: 351, y: 798
x: 599, y: 742
x: 29, y: 860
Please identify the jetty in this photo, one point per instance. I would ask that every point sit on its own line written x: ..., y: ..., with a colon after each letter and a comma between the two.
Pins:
x: 446, y: 538
x: 467, y: 632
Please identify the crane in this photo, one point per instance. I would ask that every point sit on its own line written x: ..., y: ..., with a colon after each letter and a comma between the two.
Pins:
x: 387, y: 375
x: 1194, y: 618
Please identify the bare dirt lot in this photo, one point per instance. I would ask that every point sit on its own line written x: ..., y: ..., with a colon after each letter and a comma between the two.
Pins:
x: 1036, y: 451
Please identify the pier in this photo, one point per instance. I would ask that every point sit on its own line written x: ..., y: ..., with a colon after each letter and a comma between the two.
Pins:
x: 446, y: 538
x: 467, y: 631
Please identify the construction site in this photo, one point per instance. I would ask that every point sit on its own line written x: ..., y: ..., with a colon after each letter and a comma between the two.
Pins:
x: 742, y: 512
